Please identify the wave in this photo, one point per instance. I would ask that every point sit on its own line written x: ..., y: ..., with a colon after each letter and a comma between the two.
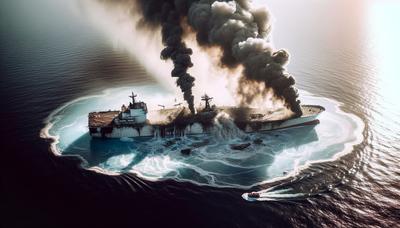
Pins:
x: 281, y: 154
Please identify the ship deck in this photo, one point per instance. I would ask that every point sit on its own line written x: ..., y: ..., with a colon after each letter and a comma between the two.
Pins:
x: 102, y: 119
x: 309, y: 110
x: 168, y: 116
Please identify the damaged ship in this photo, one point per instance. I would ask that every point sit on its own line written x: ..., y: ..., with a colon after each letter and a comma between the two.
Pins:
x: 135, y: 120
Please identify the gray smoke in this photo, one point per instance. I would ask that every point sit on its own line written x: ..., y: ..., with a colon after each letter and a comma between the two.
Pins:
x: 239, y: 30
x: 242, y: 34
x: 168, y: 15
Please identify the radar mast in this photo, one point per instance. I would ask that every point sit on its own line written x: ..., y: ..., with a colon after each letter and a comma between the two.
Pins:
x: 207, y: 99
x: 133, y: 97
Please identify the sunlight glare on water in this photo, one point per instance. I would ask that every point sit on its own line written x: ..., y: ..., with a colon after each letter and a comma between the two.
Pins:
x: 385, y: 49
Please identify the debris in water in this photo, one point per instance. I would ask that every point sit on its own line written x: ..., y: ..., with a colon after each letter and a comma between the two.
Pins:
x: 169, y: 143
x: 240, y: 146
x: 186, y: 151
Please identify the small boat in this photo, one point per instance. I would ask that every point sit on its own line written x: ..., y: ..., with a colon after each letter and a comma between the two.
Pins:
x: 253, y: 195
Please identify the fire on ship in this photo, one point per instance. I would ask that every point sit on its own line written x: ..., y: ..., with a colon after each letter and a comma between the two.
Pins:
x: 135, y: 120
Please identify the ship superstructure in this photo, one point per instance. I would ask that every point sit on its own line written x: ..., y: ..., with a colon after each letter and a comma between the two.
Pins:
x: 134, y: 114
x: 135, y: 120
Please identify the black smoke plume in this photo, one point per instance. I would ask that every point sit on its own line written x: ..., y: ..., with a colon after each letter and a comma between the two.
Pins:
x: 169, y: 14
x: 242, y: 33
x: 238, y: 29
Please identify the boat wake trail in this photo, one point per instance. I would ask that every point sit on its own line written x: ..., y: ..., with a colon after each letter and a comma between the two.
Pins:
x: 225, y: 158
x: 276, y: 195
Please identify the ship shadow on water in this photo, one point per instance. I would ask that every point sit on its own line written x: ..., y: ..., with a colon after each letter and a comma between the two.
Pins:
x: 245, y: 172
x: 97, y: 150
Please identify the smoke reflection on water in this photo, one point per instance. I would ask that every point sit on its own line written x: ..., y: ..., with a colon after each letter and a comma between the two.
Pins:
x: 212, y: 162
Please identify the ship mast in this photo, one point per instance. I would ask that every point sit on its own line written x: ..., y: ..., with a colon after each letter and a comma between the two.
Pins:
x: 133, y: 97
x: 207, y: 99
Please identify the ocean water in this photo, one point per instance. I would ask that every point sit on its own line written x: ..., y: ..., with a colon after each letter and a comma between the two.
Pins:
x: 212, y: 162
x: 56, y: 61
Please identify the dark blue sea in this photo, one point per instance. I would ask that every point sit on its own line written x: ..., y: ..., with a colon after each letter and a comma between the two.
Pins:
x: 61, y: 59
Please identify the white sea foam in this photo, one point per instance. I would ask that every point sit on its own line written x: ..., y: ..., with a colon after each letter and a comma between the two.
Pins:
x: 224, y: 127
x: 212, y: 161
x: 126, y: 139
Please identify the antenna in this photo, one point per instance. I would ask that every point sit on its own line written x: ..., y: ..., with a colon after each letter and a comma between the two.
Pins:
x: 177, y: 104
x: 207, y: 99
x: 133, y: 97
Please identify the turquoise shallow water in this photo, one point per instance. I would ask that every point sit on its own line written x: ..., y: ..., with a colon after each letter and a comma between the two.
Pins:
x: 212, y: 163
x: 52, y: 54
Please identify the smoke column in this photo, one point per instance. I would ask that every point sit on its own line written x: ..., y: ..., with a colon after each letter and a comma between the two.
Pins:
x: 169, y: 14
x: 242, y: 34
x: 240, y: 31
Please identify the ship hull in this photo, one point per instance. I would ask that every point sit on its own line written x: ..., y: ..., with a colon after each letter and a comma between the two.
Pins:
x: 148, y: 130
